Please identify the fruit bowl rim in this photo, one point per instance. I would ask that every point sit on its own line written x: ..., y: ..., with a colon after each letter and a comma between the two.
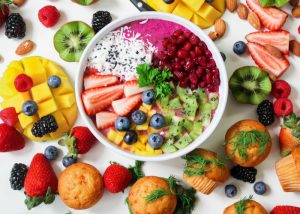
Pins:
x: 223, y: 89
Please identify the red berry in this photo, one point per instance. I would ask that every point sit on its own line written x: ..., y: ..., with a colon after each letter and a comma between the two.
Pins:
x: 283, y: 107
x: 193, y: 78
x: 49, y: 16
x: 10, y: 139
x: 281, y: 89
x: 23, y: 83
x: 184, y: 83
x: 182, y: 54
x: 9, y: 116
x: 178, y: 32
x: 4, y: 12
x: 116, y: 178
x: 194, y: 39
x: 187, y: 46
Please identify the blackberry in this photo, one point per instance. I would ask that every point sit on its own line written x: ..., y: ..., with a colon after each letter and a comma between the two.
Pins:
x: 100, y: 20
x: 246, y: 174
x: 15, y: 26
x: 45, y: 125
x: 17, y: 176
x: 265, y: 112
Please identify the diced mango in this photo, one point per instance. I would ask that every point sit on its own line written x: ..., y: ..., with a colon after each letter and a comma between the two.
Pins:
x: 63, y: 126
x: 149, y: 148
x: 41, y: 92
x: 144, y: 109
x: 194, y: 4
x: 65, y: 87
x: 209, y: 13
x: 150, y: 113
x: 143, y: 138
x: 47, y: 107
x: 54, y: 69
x: 65, y: 101
x: 34, y: 68
x: 140, y: 146
x: 152, y: 130
x: 142, y: 127
x: 70, y: 114
x: 6, y: 91
x: 111, y: 135
x: 219, y: 5
x: 119, y: 137
x: 16, y: 101
x: 198, y: 20
x: 183, y: 11
x: 148, y: 107
x: 26, y: 120
x: 10, y: 75
x: 146, y: 153
x: 158, y: 151
x: 17, y: 65
x: 162, y: 6
x: 125, y: 146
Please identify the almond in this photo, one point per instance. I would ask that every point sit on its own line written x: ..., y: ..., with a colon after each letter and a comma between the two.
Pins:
x: 294, y: 3
x: 242, y: 11
x: 19, y: 2
x: 25, y: 47
x: 213, y: 35
x: 220, y: 27
x: 254, y: 21
x: 295, y: 47
x: 273, y: 50
x: 296, y: 12
x: 231, y: 5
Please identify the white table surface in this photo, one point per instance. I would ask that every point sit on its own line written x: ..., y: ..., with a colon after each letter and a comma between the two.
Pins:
x: 11, y: 202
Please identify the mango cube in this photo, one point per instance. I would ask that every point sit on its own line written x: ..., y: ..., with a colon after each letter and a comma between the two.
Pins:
x: 150, y: 113
x: 162, y: 6
x: 183, y: 11
x: 63, y: 126
x: 149, y: 148
x: 65, y: 101
x: 6, y: 91
x: 47, y: 107
x: 143, y: 138
x: 142, y: 127
x: 219, y: 5
x: 209, y: 13
x: 17, y: 65
x: 144, y: 109
x: 41, y: 92
x: 158, y: 151
x: 34, y: 68
x: 26, y: 120
x: 146, y: 106
x: 70, y: 114
x: 125, y: 146
x: 140, y: 146
x: 152, y: 130
x: 201, y: 22
x: 111, y: 135
x: 16, y: 101
x: 65, y: 87
x: 194, y: 4
x: 119, y: 137
x: 53, y: 69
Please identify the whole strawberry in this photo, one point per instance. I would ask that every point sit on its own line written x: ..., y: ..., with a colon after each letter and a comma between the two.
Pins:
x: 40, y: 182
x: 10, y: 139
x: 117, y: 178
x: 79, y: 141
x: 4, y: 12
x: 285, y: 210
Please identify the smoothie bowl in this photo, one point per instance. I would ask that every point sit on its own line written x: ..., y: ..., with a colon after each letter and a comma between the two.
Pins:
x: 151, y: 86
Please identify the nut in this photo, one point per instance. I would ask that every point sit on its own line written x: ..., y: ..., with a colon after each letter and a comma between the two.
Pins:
x: 295, y: 47
x: 231, y: 5
x: 242, y: 11
x: 220, y: 27
x: 19, y: 2
x: 294, y: 3
x: 273, y: 50
x: 25, y: 47
x: 254, y: 21
x: 296, y: 12
x: 213, y: 35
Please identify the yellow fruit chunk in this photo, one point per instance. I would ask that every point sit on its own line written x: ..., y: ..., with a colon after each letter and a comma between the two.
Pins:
x: 152, y: 130
x: 158, y: 151
x: 183, y: 11
x: 65, y: 101
x: 27, y: 132
x: 146, y: 153
x: 65, y: 87
x: 194, y: 4
x: 16, y: 101
x: 34, y: 68
x: 6, y: 91
x: 198, y: 20
x: 119, y: 137
x: 63, y: 126
x: 10, y: 75
x: 160, y: 5
x: 47, y: 107
x: 70, y: 114
x: 41, y: 92
x: 142, y: 127
x: 209, y: 13
x: 111, y: 135
x: 53, y: 69
x: 149, y: 148
x: 26, y: 120
x: 150, y: 113
x: 143, y: 138
x: 17, y: 65
x: 125, y: 146
x: 146, y: 106
x: 140, y: 146
x: 144, y: 109
x: 219, y: 5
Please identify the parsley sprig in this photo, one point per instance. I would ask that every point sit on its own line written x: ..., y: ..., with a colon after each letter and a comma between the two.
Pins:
x: 155, y: 77
x: 241, y: 205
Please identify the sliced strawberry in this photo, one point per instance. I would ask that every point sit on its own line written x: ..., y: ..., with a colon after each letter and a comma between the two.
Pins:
x: 105, y: 119
x: 97, y: 99
x: 9, y: 116
x: 279, y: 39
x: 285, y: 210
x: 272, y: 18
x: 90, y: 70
x: 266, y: 61
x: 123, y: 106
x: 96, y: 80
x: 132, y: 88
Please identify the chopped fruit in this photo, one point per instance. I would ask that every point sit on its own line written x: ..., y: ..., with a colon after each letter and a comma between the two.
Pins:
x: 195, y: 4
x: 272, y: 18
x: 122, y: 124
x: 274, y: 66
x: 49, y: 16
x: 239, y: 47
x: 41, y: 92
x: 285, y: 210
x: 209, y: 13
x: 283, y: 107
x: 279, y: 39
x: 132, y: 88
x: 281, y: 89
x: 143, y: 138
x: 111, y: 135
x: 16, y: 101
x: 26, y: 120
x: 9, y: 116
x: 10, y: 139
x: 119, y: 137
x: 65, y: 101
x: 23, y: 83
x: 34, y: 68
x: 105, y: 119
x: 96, y: 80
x: 139, y: 146
x: 47, y: 107
x: 123, y: 106
x: 143, y: 127
x: 201, y: 22
x: 246, y: 174
x: 183, y: 11
x: 17, y: 176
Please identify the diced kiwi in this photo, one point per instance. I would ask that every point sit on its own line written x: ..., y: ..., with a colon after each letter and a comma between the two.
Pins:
x: 71, y: 39
x: 187, y: 124
x: 168, y: 148
x: 190, y: 109
x: 175, y: 104
x: 184, y: 141
x: 201, y: 95
x: 204, y: 114
x: 213, y: 100
x: 184, y: 93
x: 196, y: 130
x: 84, y: 2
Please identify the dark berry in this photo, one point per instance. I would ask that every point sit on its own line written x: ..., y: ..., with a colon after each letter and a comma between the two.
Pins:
x: 155, y: 140
x: 223, y: 56
x: 29, y: 108
x: 265, y: 112
x: 130, y: 137
x: 246, y: 174
x: 43, y: 126
x: 148, y: 97
x: 157, y: 121
x: 230, y: 190
x: 139, y: 117
x: 122, y: 124
x: 68, y: 161
x: 15, y: 26
x: 260, y: 188
x: 100, y: 20
x: 54, y: 81
x: 51, y: 152
x: 168, y: 1
x: 17, y: 176
x: 239, y: 47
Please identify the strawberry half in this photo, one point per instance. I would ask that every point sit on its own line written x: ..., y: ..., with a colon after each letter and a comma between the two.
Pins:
x: 279, y: 39
x: 272, y: 18
x: 105, y: 119
x: 285, y: 210
x: 95, y: 81
x: 123, y: 106
x: 10, y: 139
x: 9, y: 116
x: 132, y: 88
x: 274, y: 66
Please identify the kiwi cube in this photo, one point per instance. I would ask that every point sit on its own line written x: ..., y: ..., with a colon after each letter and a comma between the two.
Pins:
x: 213, y: 100
x: 184, y: 141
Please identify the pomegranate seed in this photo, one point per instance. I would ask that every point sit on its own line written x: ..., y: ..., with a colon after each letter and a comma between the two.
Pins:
x: 198, y: 51
x: 187, y: 46
x: 189, y: 65
x: 171, y: 52
x: 173, y: 40
x: 188, y: 34
x: 202, y: 61
x: 194, y: 39
x: 184, y: 83
x: 193, y: 54
x: 208, y: 78
x: 181, y: 39
x: 193, y: 78
x: 202, y: 84
x: 212, y: 88
x: 215, y: 80
x: 211, y: 63
x: 215, y: 71
x: 193, y: 86
x: 177, y: 66
x: 203, y: 46
x: 207, y: 53
x: 165, y: 42
x: 182, y: 54
x: 178, y: 74
x: 178, y: 32
x: 199, y: 72
x: 182, y: 62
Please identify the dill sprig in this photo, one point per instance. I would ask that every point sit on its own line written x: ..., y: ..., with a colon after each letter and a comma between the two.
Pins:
x: 128, y: 205
x: 136, y: 171
x: 242, y: 140
x: 156, y: 194
x: 241, y: 205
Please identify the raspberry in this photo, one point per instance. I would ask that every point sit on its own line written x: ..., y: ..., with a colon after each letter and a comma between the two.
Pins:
x: 283, y: 107
x: 9, y: 116
x: 281, y: 89
x: 49, y: 16
x: 23, y: 83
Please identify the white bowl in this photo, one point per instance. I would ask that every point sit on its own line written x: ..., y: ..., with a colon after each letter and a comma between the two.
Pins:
x: 223, y: 89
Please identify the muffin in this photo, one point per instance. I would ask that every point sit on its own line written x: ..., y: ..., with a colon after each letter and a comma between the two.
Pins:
x: 245, y: 206
x: 288, y: 171
x: 80, y: 186
x: 204, y: 170
x: 248, y: 143
x: 143, y: 188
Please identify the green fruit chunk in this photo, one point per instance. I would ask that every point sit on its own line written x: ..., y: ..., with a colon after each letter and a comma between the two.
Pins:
x: 175, y: 104
x: 250, y: 85
x: 213, y: 100
x: 71, y: 40
x: 270, y: 3
x: 197, y: 130
x: 84, y: 2
x: 190, y: 104
x: 168, y: 147
x: 201, y: 95
x: 188, y: 125
x: 184, y: 141
x: 175, y: 129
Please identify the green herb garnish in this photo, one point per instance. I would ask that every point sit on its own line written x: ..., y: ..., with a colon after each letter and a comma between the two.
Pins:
x: 136, y: 171
x: 242, y: 140
x: 157, y: 194
x: 241, y: 205
x: 292, y: 122
x: 128, y: 205
x: 154, y: 77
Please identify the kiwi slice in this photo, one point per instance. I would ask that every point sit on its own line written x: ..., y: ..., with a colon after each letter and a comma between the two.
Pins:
x: 71, y: 39
x: 84, y: 2
x: 250, y: 85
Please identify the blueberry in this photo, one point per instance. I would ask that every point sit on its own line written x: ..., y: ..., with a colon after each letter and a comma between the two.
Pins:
x: 68, y: 161
x: 157, y: 121
x: 223, y: 56
x: 29, y: 108
x: 54, y: 81
x: 239, y: 47
x: 155, y: 140
x: 130, y: 137
x: 51, y: 152
x: 148, y: 96
x: 139, y: 117
x: 122, y: 124
x: 168, y: 1
x: 260, y: 188
x: 230, y: 190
